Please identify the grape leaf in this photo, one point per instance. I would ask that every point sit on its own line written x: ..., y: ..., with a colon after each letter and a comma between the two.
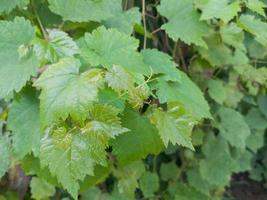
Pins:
x: 255, y: 140
x: 103, y: 119
x: 17, y: 61
x: 169, y: 171
x: 99, y: 49
x: 128, y: 176
x: 220, y: 9
x: 24, y: 122
x: 143, y: 139
x: 123, y: 20
x: 233, y: 35
x: 82, y: 10
x: 233, y: 127
x: 100, y: 174
x: 175, y: 125
x: 5, y: 154
x: 218, y: 165
x: 184, y: 192
x: 257, y: 6
x: 186, y: 92
x: 217, y: 54
x: 8, y: 5
x: 262, y: 102
x: 40, y: 189
x: 254, y: 26
x: 193, y: 29
x: 119, y: 79
x: 196, y: 181
x: 71, y: 155
x: 58, y: 45
x: 32, y: 167
x: 65, y: 91
x: 110, y: 97
x: 217, y: 91
x: 255, y: 119
x: 161, y: 63
x: 149, y: 184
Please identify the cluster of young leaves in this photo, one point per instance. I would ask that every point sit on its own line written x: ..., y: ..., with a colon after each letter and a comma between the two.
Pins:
x: 83, y: 103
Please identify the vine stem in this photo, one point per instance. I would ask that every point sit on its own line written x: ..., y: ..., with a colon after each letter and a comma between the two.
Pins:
x: 144, y: 22
x: 44, y: 33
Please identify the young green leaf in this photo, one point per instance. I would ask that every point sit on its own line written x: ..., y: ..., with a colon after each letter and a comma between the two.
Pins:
x: 175, y: 125
x: 71, y: 155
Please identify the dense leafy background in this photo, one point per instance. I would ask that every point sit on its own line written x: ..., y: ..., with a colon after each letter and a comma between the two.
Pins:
x: 132, y: 99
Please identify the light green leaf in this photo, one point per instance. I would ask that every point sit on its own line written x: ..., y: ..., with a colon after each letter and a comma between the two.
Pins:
x: 82, y: 10
x: 186, y: 92
x: 217, y: 54
x: 5, y: 154
x: 119, y: 79
x: 217, y: 91
x: 40, y: 189
x: 233, y: 35
x: 123, y: 20
x: 66, y: 92
x: 32, y: 167
x: 185, y: 24
x: 220, y: 9
x: 103, y: 119
x: 71, y: 155
x: 128, y: 176
x: 99, y: 49
x: 233, y: 127
x: 161, y: 63
x: 218, y: 165
x: 143, y: 139
x: 58, y: 45
x: 257, y: 6
x: 254, y: 26
x: 24, y: 122
x: 175, y: 125
x: 17, y: 61
x: 149, y: 184
x: 8, y: 5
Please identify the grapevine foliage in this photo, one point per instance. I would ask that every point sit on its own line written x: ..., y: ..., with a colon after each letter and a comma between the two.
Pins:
x: 150, y: 99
